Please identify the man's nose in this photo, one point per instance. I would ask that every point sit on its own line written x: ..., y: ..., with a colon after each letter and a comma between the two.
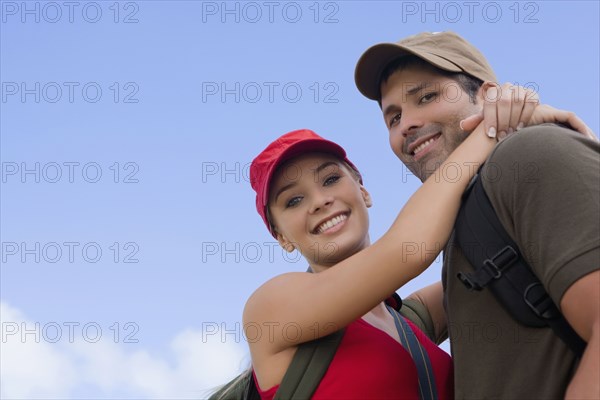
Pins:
x: 409, y: 123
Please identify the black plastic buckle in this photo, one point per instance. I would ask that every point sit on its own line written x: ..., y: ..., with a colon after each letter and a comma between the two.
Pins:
x: 465, y: 278
x: 540, y: 302
x: 493, y: 269
x: 501, y: 260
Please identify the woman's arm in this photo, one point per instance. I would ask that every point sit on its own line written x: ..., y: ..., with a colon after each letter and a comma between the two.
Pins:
x: 298, y: 307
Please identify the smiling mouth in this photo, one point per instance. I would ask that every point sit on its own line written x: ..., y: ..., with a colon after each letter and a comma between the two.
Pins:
x: 330, y: 223
x: 424, y: 145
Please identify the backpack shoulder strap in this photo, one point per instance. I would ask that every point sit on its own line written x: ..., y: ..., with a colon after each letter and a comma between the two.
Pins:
x: 499, y: 265
x: 308, y: 367
x: 408, y: 339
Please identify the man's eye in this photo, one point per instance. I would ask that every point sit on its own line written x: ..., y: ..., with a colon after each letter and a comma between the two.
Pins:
x: 395, y: 119
x: 428, y: 97
x: 294, y: 201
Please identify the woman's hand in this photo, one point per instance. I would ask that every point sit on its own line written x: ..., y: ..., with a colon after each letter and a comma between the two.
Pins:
x: 508, y: 108
x: 545, y: 113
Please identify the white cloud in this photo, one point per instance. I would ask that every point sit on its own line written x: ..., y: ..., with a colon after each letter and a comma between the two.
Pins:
x: 30, y: 370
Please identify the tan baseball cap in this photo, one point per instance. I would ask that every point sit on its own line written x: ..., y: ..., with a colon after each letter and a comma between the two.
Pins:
x: 445, y: 50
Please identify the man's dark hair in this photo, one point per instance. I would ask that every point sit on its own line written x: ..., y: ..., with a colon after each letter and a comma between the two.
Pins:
x: 468, y: 83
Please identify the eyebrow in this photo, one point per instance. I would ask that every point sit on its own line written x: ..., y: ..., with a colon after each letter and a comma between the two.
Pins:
x: 317, y: 170
x: 418, y: 88
x: 325, y: 165
x: 410, y: 92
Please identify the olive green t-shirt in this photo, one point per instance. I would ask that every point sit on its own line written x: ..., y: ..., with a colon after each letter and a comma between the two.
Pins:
x: 417, y: 313
x: 544, y: 184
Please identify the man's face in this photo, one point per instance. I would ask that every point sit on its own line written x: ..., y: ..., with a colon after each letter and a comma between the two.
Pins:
x: 422, y: 111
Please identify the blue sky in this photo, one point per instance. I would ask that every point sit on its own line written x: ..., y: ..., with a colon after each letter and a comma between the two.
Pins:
x: 130, y: 240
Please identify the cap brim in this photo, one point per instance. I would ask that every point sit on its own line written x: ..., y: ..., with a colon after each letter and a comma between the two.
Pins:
x: 373, y: 62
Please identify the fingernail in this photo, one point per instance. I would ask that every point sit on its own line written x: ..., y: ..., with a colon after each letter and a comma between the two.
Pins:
x: 510, y: 131
x: 461, y: 125
x: 491, y: 132
x: 520, y: 126
x: 501, y: 135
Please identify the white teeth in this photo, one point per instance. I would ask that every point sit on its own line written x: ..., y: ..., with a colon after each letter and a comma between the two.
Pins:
x: 330, y: 223
x: 422, y: 146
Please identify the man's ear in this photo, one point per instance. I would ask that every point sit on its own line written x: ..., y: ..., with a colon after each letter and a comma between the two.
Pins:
x: 366, y: 196
x: 481, y: 93
x: 285, y: 243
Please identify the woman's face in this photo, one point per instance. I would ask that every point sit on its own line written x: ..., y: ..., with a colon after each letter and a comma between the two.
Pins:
x: 318, y: 206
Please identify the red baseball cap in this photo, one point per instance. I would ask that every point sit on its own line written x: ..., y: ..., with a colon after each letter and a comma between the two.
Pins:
x: 285, y: 147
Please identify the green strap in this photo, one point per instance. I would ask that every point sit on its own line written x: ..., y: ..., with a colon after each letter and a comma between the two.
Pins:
x: 308, y: 367
x: 408, y: 339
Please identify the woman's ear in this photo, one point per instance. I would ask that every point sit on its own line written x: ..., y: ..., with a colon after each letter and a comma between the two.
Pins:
x: 366, y: 196
x: 284, y: 243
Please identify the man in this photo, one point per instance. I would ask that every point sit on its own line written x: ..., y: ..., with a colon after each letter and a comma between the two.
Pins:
x: 544, y: 184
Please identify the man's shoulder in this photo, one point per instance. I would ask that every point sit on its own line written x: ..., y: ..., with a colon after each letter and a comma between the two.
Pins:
x: 539, y: 147
x: 536, y: 141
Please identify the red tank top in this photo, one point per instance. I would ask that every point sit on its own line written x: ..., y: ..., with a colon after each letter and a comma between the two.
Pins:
x: 371, y: 364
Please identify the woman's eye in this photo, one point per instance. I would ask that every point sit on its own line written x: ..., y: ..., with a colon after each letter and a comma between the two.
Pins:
x: 395, y: 119
x: 294, y: 201
x: 428, y: 97
x: 330, y: 180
